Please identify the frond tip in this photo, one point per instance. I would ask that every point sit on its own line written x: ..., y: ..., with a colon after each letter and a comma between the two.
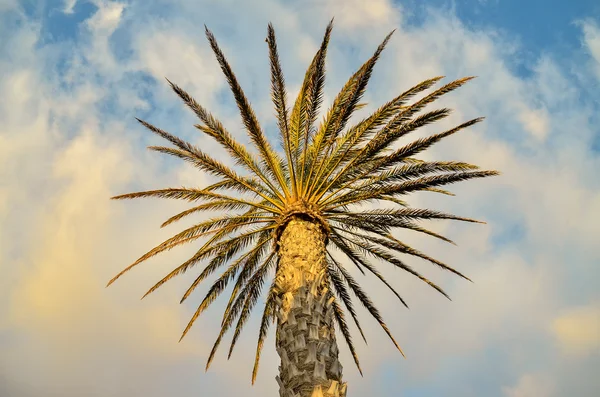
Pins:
x: 324, y: 172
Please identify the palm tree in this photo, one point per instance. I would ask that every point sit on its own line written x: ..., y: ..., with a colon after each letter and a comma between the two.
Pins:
x: 292, y: 211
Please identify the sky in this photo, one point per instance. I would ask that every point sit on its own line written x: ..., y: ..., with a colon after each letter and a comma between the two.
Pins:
x: 74, y: 74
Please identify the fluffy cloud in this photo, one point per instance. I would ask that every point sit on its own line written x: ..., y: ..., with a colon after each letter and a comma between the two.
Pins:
x: 591, y: 40
x: 69, y: 142
x: 578, y: 330
x: 69, y: 6
x: 530, y: 386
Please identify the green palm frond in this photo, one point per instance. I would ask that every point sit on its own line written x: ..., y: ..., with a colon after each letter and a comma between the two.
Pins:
x: 215, y: 205
x: 267, y: 317
x: 305, y: 111
x: 246, y: 261
x: 338, y: 315
x: 356, y: 258
x: 342, y: 292
x: 366, y: 301
x: 246, y: 272
x: 345, y: 146
x: 325, y: 172
x: 269, y: 157
x: 251, y: 294
x: 279, y: 98
x: 343, y: 106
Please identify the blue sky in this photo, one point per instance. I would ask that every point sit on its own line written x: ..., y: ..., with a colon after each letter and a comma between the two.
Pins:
x: 75, y: 73
x: 539, y: 25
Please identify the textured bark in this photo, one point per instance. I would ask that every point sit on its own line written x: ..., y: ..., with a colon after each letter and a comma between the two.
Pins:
x: 305, y: 337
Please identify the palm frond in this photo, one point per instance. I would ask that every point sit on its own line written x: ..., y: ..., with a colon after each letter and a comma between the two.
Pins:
x: 344, y: 248
x: 198, y: 158
x: 314, y: 99
x: 375, y: 227
x: 215, y: 129
x: 248, y: 298
x: 265, y: 322
x: 374, y: 192
x: 215, y: 290
x: 228, y: 251
x: 226, y: 248
x: 396, y: 245
x: 251, y: 294
x: 279, y: 97
x: 343, y: 106
x: 368, y: 304
x: 192, y: 194
x: 338, y: 315
x: 212, y: 166
x: 375, y: 144
x: 381, y: 214
x: 306, y: 107
x: 345, y: 146
x: 386, y: 256
x: 192, y: 233
x: 269, y: 156
x: 211, y: 206
x: 424, y: 143
x: 342, y: 292
x: 357, y: 258
x: 247, y: 270
x: 437, y: 190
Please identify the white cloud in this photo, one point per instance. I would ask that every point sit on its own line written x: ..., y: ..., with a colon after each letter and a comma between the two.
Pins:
x: 101, y: 25
x: 107, y: 18
x: 355, y: 14
x: 6, y: 5
x: 168, y: 53
x: 69, y: 6
x: 535, y: 122
x: 531, y: 385
x: 591, y: 39
x: 68, y: 143
x: 578, y: 330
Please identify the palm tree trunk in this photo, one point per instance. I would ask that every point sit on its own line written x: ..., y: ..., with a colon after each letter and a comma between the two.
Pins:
x: 305, y: 338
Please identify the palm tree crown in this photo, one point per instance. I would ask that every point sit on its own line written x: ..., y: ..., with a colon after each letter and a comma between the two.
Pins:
x: 323, y: 174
